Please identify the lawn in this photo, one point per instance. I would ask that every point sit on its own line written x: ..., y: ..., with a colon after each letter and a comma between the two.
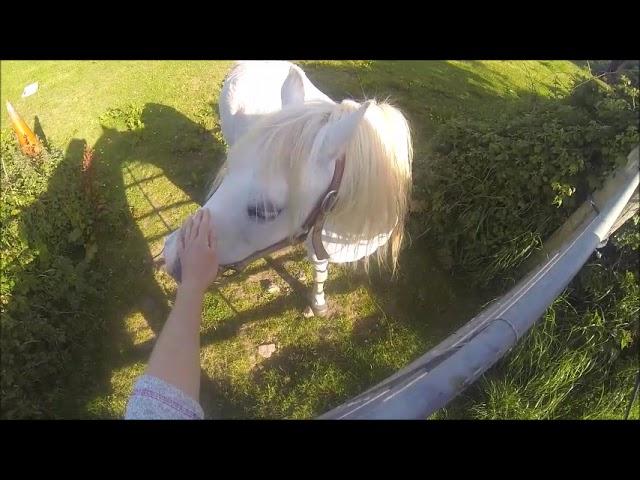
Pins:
x: 154, y: 127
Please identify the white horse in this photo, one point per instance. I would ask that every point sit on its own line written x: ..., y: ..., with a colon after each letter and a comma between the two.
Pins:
x: 289, y: 144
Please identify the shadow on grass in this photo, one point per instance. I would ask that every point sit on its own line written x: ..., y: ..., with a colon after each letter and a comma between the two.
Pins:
x: 424, y: 298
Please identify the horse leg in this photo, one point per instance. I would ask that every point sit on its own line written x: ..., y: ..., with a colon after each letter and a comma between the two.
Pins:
x: 318, y: 304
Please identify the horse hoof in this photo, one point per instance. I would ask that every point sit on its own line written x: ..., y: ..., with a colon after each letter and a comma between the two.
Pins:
x: 317, y: 311
x: 320, y: 310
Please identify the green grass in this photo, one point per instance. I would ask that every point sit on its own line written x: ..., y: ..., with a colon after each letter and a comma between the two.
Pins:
x: 155, y: 130
x: 579, y: 361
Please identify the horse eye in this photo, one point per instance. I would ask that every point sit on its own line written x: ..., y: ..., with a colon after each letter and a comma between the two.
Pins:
x: 263, y: 212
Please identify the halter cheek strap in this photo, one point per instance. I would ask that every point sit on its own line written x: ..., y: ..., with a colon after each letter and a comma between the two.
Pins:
x: 327, y: 204
x: 314, y: 224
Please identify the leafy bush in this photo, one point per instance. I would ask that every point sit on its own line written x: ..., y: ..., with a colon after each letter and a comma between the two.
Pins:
x: 499, y: 187
x: 129, y: 116
x: 628, y: 240
x: 48, y: 248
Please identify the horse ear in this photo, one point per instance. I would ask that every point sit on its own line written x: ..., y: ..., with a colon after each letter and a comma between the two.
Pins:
x: 292, y: 91
x: 338, y: 134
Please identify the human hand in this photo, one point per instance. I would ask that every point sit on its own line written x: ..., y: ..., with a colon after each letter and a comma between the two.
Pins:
x: 197, y: 252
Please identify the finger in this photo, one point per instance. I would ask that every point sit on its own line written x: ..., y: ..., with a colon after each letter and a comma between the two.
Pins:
x: 205, y: 225
x: 181, y: 238
x: 196, y: 225
x: 211, y: 235
x: 206, y: 234
x: 187, y: 230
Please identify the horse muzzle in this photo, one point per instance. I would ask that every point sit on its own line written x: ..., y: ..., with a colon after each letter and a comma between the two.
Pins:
x: 175, y: 270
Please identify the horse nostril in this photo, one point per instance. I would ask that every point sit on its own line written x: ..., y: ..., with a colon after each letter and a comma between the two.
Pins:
x: 176, y: 271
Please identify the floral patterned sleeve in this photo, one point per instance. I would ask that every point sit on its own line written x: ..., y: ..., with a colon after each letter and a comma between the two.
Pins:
x: 155, y: 399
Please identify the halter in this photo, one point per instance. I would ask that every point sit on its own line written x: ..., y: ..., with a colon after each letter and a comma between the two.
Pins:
x: 314, y: 224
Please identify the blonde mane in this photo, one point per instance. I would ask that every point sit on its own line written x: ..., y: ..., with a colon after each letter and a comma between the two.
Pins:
x: 376, y: 185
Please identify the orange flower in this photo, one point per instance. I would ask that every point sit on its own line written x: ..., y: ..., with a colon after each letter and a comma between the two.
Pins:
x: 29, y: 143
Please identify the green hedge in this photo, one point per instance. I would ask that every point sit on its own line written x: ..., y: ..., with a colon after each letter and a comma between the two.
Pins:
x: 46, y: 277
x: 498, y: 188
